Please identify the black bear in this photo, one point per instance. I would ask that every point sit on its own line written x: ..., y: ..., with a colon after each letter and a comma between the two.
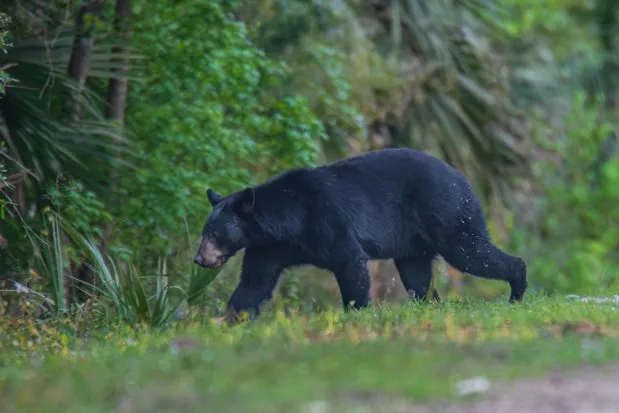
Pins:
x: 391, y: 203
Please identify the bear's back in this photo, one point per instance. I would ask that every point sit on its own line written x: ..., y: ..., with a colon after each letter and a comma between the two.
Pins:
x: 393, y: 175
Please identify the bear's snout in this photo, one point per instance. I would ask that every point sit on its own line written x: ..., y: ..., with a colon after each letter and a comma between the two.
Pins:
x: 209, y: 255
x: 199, y: 260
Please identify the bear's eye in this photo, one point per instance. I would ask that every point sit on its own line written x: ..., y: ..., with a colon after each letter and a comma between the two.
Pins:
x: 215, y: 234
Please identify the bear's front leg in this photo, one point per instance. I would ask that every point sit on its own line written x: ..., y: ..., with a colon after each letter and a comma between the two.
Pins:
x: 353, y: 280
x: 259, y: 276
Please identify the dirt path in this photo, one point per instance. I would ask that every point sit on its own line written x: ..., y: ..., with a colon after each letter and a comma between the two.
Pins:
x: 585, y: 390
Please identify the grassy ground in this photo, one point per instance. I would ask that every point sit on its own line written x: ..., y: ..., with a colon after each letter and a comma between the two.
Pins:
x: 283, y: 362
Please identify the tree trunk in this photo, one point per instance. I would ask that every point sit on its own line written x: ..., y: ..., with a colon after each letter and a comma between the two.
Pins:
x: 608, y: 19
x: 117, y: 96
x: 79, y: 61
x: 607, y: 22
x: 117, y: 91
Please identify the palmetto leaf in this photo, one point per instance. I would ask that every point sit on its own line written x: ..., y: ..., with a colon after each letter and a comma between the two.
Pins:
x: 34, y: 114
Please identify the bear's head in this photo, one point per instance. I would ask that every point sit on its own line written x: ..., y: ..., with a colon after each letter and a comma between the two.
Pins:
x: 224, y: 232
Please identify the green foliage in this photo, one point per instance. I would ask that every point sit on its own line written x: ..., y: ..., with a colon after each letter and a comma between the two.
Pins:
x: 5, y: 21
x: 79, y: 205
x: 32, y: 236
x: 205, y: 117
x: 567, y: 229
x: 320, y: 58
x: 4, y: 44
x: 556, y: 47
x: 529, y: 17
x: 576, y: 233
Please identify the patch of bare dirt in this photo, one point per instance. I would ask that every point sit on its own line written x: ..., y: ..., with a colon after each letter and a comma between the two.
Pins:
x: 585, y: 390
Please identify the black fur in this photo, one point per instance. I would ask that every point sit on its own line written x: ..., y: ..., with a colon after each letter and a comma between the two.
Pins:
x: 394, y: 203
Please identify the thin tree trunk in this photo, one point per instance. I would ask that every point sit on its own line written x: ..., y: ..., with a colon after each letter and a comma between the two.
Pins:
x: 608, y: 19
x: 607, y: 22
x: 117, y: 96
x: 79, y: 64
x: 117, y: 91
x: 79, y: 61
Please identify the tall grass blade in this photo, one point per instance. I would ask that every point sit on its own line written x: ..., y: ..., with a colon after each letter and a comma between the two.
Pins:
x: 50, y: 262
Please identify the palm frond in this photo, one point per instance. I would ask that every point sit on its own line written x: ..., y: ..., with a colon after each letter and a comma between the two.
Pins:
x: 468, y: 100
x: 423, y: 69
x: 34, y: 115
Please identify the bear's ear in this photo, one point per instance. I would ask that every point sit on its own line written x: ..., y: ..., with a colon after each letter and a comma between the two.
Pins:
x: 213, y: 197
x: 246, y: 200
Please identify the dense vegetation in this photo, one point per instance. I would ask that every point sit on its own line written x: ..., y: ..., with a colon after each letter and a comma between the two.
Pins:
x: 116, y: 116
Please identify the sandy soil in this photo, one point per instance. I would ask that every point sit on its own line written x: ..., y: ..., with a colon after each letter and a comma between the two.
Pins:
x: 585, y: 390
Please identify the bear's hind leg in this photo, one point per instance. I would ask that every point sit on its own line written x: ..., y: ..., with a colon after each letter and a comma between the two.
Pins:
x: 474, y: 253
x: 416, y: 275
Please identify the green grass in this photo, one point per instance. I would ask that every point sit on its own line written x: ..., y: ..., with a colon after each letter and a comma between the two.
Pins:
x: 416, y: 352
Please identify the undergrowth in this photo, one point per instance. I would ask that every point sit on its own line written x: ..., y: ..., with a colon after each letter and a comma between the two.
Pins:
x: 285, y: 359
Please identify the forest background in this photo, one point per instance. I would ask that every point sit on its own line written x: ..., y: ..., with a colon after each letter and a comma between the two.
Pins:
x: 116, y: 116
